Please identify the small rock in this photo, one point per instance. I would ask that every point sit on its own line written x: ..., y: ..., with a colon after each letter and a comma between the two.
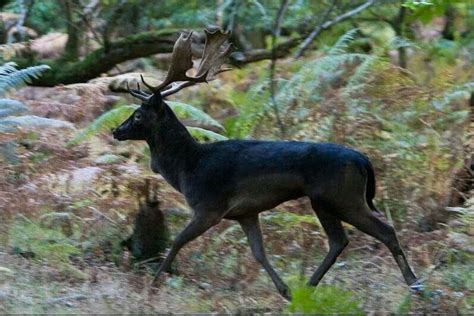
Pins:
x: 82, y: 177
x: 130, y: 169
x: 109, y: 159
x: 204, y: 286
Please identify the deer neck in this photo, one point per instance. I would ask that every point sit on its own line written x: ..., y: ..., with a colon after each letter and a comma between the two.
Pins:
x: 173, y: 150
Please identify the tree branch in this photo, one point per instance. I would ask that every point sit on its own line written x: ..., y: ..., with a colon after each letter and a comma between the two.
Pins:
x: 254, y: 55
x: 101, y: 61
x: 327, y: 24
x: 317, y: 29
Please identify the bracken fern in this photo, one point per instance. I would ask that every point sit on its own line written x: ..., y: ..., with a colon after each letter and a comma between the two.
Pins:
x: 115, y: 117
x: 10, y: 77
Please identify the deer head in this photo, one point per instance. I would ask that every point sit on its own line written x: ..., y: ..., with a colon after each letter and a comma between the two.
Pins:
x: 139, y: 126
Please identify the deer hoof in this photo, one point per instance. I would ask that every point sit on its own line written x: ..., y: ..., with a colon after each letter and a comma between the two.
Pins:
x: 417, y: 287
x: 285, y: 292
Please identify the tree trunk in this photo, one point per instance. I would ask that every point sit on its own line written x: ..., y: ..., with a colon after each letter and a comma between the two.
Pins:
x: 449, y: 27
x: 399, y: 28
x: 74, y: 29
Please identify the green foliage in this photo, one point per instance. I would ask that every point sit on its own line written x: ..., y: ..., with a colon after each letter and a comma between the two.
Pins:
x: 252, y: 106
x: 10, y: 77
x: 46, y: 244
x: 460, y: 277
x: 289, y: 219
x: 43, y: 16
x: 322, y: 300
x: 307, y: 86
x: 115, y: 117
x: 104, y: 122
x: 186, y: 111
x: 405, y: 305
x: 299, y: 94
x: 342, y: 44
x: 425, y: 11
x: 413, y: 5
x: 204, y: 135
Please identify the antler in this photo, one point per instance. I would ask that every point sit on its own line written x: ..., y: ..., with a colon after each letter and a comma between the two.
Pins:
x: 181, y: 61
x: 139, y: 93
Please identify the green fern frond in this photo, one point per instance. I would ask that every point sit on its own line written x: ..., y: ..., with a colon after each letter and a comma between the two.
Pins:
x: 362, y: 71
x: 305, y: 85
x: 309, y: 83
x: 104, y: 122
x: 186, y: 111
x: 252, y: 106
x: 115, y: 117
x: 204, y: 135
x: 340, y: 47
x: 7, y: 68
x: 10, y: 77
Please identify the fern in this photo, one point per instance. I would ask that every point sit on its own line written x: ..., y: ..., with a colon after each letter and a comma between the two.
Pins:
x: 252, y: 106
x: 186, y: 111
x: 305, y: 87
x: 202, y: 134
x: 361, y: 72
x: 10, y: 77
x: 340, y: 47
x: 104, y: 122
x: 115, y: 117
x: 308, y: 84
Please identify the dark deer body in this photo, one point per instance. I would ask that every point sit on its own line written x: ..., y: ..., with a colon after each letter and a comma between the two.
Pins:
x: 238, y: 179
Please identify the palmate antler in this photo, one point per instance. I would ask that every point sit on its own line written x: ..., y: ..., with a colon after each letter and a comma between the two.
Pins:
x: 212, y: 59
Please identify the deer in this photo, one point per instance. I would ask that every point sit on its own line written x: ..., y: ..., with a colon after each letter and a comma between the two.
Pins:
x: 238, y: 179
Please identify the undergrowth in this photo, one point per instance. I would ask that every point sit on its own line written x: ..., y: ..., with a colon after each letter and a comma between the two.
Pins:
x: 322, y: 300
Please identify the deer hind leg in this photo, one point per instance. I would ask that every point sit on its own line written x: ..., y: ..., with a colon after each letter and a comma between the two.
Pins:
x: 337, y: 242
x: 251, y: 227
x: 370, y: 224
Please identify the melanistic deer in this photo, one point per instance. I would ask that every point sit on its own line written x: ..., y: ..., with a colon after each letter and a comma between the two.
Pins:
x: 238, y: 179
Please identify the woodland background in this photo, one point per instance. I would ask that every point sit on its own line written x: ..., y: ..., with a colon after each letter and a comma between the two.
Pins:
x: 393, y: 79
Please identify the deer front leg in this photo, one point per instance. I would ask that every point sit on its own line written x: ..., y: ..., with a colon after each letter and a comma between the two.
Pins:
x: 251, y: 227
x: 198, y: 225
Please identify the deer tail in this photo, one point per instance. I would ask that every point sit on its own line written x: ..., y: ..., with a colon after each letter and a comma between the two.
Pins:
x: 370, y: 189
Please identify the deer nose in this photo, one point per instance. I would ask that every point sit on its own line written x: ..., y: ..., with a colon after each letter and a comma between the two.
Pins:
x: 114, y: 132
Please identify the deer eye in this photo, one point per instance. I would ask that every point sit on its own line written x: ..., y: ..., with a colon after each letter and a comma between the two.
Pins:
x: 137, y: 116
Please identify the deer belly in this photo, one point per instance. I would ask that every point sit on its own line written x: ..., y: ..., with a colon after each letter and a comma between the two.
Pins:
x: 263, y: 193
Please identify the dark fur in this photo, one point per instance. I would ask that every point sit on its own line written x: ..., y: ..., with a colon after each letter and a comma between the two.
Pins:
x: 238, y: 179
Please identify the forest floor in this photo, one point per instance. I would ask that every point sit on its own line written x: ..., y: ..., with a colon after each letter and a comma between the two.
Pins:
x: 65, y: 210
